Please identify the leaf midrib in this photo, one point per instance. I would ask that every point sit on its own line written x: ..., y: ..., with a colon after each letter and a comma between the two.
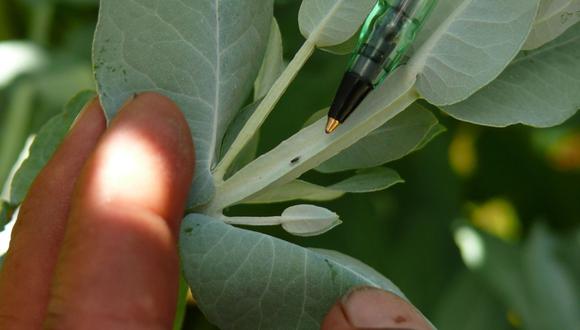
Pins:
x: 213, y: 143
x: 425, y: 50
x: 316, y: 33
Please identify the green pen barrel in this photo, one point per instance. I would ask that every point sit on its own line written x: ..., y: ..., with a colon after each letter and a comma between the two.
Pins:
x: 387, y: 35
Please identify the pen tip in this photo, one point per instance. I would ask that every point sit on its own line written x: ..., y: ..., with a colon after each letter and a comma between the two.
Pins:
x: 331, y: 125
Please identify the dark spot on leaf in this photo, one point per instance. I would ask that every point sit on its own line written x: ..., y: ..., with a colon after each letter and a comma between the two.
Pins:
x: 295, y: 161
x: 188, y: 230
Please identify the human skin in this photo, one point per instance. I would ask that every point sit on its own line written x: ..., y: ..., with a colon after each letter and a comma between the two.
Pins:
x: 95, y: 243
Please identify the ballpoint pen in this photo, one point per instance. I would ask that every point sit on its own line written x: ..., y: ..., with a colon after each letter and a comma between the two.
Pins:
x: 387, y: 34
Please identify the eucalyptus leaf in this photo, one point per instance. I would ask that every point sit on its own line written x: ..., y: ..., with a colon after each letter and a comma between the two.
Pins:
x: 308, y: 220
x: 540, y: 88
x: 247, y: 280
x: 467, y: 44
x: 332, y: 22
x: 45, y: 144
x: 204, y: 55
x: 394, y: 140
x: 273, y: 63
x: 554, y: 18
x: 364, y: 181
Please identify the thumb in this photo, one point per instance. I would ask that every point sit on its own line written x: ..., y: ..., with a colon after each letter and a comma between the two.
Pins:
x: 371, y: 308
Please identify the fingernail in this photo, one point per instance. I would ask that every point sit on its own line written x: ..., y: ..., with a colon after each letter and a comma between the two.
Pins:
x: 372, y: 308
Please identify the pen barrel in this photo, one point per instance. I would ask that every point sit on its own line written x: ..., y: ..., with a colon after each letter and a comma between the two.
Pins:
x: 386, y: 37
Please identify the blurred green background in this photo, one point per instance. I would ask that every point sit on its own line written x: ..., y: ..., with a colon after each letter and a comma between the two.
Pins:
x: 484, y: 234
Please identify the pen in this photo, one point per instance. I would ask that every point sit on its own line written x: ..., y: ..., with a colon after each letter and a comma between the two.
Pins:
x: 387, y: 33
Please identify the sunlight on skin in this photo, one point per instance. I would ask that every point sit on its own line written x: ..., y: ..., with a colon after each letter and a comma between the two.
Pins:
x: 120, y: 178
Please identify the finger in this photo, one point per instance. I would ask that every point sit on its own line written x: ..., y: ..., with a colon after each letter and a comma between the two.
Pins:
x: 371, y: 308
x: 38, y: 232
x: 118, y: 267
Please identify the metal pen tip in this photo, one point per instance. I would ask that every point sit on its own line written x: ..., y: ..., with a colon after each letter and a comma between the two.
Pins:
x: 331, y: 125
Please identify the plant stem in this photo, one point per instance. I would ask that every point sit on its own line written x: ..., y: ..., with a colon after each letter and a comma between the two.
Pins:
x: 5, y: 22
x: 264, y: 109
x: 42, y: 17
x: 181, y: 304
x: 310, y: 147
x: 253, y: 221
x: 14, y: 127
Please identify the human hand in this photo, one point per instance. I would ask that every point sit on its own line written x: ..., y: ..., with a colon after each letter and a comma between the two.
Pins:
x: 94, y: 246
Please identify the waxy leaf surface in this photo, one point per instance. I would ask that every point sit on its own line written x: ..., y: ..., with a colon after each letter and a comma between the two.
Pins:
x: 363, y: 181
x: 247, y: 280
x: 45, y: 144
x: 554, y: 17
x: 540, y: 88
x: 394, y: 140
x: 204, y: 55
x: 332, y: 22
x: 466, y: 44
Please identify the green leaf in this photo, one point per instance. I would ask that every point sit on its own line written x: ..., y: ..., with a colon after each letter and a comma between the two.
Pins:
x: 295, y: 190
x: 369, y: 180
x: 540, y: 88
x: 247, y: 280
x: 45, y: 144
x: 308, y: 220
x: 6, y: 212
x: 248, y: 153
x: 394, y: 140
x: 466, y: 44
x: 13, y: 129
x: 364, y: 181
x: 554, y: 18
x: 530, y: 279
x: 434, y: 132
x: 311, y: 146
x: 273, y: 63
x: 204, y: 55
x: 468, y: 304
x: 332, y: 22
x: 346, y: 47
